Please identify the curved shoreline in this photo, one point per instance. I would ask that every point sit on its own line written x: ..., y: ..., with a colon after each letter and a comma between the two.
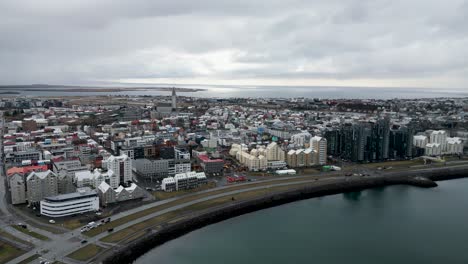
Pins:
x: 133, y: 250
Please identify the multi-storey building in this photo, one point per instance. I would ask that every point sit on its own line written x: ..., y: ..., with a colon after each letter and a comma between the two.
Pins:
x: 274, y: 152
x: 319, y: 144
x: 147, y: 168
x: 211, y: 166
x: 41, y: 185
x: 121, y: 166
x: 82, y: 201
x: 17, y: 188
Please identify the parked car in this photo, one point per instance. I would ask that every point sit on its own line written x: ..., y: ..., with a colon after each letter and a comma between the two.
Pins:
x: 52, y: 221
x: 22, y: 225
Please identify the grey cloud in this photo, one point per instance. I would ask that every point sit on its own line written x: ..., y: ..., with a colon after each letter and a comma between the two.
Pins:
x: 84, y: 41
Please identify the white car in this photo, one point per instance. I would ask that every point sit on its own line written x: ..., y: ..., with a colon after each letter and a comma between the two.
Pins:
x: 52, y: 221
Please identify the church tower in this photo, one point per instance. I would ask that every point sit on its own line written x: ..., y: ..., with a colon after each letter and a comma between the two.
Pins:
x: 174, y: 99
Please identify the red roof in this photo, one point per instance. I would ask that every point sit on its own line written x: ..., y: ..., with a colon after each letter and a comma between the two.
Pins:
x: 205, y: 158
x: 26, y: 169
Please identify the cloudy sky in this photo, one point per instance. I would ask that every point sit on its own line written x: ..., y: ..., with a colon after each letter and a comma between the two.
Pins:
x: 245, y: 42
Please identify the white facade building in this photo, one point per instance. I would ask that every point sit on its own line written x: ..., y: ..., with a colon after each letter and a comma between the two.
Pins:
x: 121, y: 166
x: 183, y: 181
x: 433, y: 149
x: 420, y: 141
x: 301, y: 139
x: 82, y: 201
x: 92, y: 179
x: 168, y: 184
x: 439, y: 137
x: 454, y: 146
x: 319, y: 144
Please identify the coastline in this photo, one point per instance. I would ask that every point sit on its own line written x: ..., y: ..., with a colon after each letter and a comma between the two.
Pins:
x: 130, y: 252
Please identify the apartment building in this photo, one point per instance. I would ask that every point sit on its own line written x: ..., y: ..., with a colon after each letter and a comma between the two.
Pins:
x: 17, y: 188
x: 121, y: 166
x: 319, y: 144
x: 41, y: 185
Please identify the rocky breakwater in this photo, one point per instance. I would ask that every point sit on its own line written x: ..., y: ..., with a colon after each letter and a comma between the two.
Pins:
x: 132, y: 251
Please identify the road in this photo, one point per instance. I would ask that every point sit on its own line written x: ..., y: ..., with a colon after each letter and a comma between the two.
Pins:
x: 61, y: 245
x: 7, y: 218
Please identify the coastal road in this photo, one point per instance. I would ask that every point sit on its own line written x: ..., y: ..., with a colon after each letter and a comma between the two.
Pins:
x: 63, y: 244
x: 66, y: 243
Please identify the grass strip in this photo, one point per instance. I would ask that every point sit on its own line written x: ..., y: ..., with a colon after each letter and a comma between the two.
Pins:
x: 30, y: 233
x: 85, y: 253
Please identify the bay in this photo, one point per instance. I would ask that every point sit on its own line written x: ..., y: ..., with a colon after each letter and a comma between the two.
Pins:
x: 278, y: 92
x: 396, y: 224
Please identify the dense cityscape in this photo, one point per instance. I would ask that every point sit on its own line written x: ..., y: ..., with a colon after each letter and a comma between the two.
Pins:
x: 84, y: 176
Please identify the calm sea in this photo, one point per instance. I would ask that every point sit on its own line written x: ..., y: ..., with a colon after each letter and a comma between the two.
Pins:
x: 282, y: 92
x: 397, y: 224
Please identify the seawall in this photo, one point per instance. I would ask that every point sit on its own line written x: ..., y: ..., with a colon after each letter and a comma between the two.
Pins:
x: 133, y: 250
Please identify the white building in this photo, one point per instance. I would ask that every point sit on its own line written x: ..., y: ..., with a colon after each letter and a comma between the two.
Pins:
x: 433, y: 149
x: 420, y: 141
x: 93, y: 179
x: 301, y: 139
x: 183, y: 181
x: 319, y: 144
x: 121, y: 166
x: 168, y: 184
x: 276, y: 164
x: 182, y: 167
x: 454, y: 146
x: 439, y: 137
x: 82, y: 201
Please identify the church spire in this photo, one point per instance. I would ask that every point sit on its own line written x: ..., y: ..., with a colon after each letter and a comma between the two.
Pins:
x: 174, y: 99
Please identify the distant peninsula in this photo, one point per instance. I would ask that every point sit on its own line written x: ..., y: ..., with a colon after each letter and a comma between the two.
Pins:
x: 74, y: 88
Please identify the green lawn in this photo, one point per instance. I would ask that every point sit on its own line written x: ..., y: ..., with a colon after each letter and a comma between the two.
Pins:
x: 85, y: 253
x: 30, y: 233
x: 9, y: 252
x: 161, y: 195
x: 123, y: 220
x: 138, y: 230
x: 14, y: 238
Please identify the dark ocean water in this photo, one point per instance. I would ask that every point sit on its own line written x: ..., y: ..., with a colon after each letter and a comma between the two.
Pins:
x: 285, y: 92
x: 396, y: 224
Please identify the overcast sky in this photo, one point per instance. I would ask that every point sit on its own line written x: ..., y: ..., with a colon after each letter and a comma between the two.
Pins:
x: 247, y: 42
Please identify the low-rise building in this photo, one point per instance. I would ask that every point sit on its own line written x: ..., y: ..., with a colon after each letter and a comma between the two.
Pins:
x: 92, y: 179
x: 183, y: 181
x: 168, y: 184
x: 108, y: 195
x: 211, y: 166
x: 82, y: 201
